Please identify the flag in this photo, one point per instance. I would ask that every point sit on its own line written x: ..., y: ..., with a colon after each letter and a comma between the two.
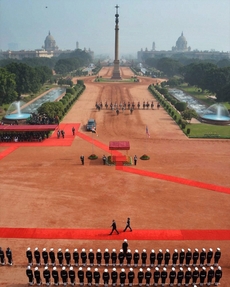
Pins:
x: 147, y: 131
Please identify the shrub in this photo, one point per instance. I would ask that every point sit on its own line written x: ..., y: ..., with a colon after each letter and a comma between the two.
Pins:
x: 188, y: 131
x: 181, y: 106
x: 144, y: 157
x: 93, y: 156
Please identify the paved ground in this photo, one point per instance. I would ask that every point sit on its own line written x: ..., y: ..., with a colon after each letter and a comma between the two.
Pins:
x: 47, y: 187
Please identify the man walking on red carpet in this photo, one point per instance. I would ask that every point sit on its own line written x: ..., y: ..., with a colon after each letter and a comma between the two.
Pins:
x: 114, y: 227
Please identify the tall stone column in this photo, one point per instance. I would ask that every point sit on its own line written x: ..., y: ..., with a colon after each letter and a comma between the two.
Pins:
x: 116, y: 69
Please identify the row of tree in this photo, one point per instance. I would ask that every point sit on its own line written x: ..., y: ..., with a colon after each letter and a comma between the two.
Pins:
x: 18, y: 78
x: 206, y: 75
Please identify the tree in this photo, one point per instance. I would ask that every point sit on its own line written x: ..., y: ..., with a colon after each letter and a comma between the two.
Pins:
x: 52, y: 109
x: 169, y: 66
x: 188, y: 114
x: 26, y: 78
x: 7, y: 87
x: 223, y: 95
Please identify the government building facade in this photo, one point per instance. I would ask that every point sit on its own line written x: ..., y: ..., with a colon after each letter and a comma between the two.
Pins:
x: 49, y: 50
x: 181, y: 48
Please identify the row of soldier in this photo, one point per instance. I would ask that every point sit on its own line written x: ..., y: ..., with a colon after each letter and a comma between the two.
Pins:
x: 8, y: 256
x: 114, y: 277
x: 125, y: 256
x: 124, y: 105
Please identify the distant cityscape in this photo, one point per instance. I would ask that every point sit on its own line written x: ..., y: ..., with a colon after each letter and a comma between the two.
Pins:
x: 50, y: 49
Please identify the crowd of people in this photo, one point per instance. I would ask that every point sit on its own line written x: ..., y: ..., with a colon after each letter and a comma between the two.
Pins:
x: 126, y: 105
x: 26, y: 136
x: 143, y: 268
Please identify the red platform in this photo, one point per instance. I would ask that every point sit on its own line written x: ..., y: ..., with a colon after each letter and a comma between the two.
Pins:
x: 119, y: 145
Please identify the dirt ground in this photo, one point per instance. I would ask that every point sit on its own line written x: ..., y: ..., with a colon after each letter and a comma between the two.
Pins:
x: 47, y: 187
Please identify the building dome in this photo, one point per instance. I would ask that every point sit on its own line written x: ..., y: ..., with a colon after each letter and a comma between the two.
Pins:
x: 50, y: 43
x: 181, y: 44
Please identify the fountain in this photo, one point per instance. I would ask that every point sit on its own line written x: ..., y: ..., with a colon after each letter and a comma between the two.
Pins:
x: 216, y: 114
x: 14, y: 113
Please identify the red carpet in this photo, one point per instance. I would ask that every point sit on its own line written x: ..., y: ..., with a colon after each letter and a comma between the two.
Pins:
x: 103, y: 234
x: 177, y: 179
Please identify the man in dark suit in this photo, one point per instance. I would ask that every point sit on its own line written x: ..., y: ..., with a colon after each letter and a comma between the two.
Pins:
x: 114, y: 227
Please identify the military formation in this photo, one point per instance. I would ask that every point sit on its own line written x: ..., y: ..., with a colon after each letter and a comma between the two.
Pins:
x: 124, y: 267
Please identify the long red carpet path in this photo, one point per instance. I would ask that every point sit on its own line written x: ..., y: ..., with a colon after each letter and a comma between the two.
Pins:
x: 101, y: 234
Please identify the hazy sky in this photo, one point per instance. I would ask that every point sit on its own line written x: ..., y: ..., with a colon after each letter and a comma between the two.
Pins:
x: 205, y: 24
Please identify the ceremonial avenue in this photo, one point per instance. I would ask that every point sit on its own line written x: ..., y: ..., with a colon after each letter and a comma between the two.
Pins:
x: 47, y: 188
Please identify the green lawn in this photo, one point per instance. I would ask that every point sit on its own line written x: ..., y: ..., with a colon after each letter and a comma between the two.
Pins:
x: 208, y: 131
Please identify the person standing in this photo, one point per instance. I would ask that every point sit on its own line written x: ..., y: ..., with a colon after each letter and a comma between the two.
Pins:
x: 203, y: 275
x: 188, y: 257
x: 114, y: 227
x: 106, y: 256
x: 99, y: 257
x: 159, y: 257
x: 82, y: 158
x: 37, y: 276
x: 76, y: 257
x: 125, y: 246
x: 52, y: 256
x: 164, y: 276
x: 128, y: 225
x: 209, y: 256
x: 195, y: 275
x: 67, y: 257
x: 136, y: 257
x: 63, y: 134
x: 181, y: 257
x: 81, y: 276
x: 89, y: 276
x: 91, y: 257
x: 218, y: 275
x: 180, y: 276
x: 121, y: 257
x: 217, y: 256
x: 175, y: 257
x: 131, y: 276
x: 29, y: 256
x: 167, y: 257
x: 152, y: 257
x: 45, y: 256
x: 9, y: 256
x: 106, y: 277
x: 114, y: 276
x: 60, y: 256
x: 156, y: 276
x: 2, y: 257
x: 29, y: 274
x: 55, y: 276
x: 72, y: 276
x: 188, y: 276
x: 64, y: 276
x: 202, y: 257
x: 104, y: 159
x: 129, y: 257
x: 148, y: 276
x: 122, y: 277
x: 172, y: 276
x: 135, y: 160
x: 46, y: 275
x: 195, y: 256
x: 73, y: 131
x: 144, y: 257
x: 83, y: 257
x: 37, y: 256
x: 140, y: 276
x: 210, y: 276
x: 114, y: 257
x: 96, y: 276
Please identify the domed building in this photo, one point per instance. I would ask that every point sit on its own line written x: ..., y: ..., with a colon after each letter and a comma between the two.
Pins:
x: 50, y: 43
x: 181, y: 45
